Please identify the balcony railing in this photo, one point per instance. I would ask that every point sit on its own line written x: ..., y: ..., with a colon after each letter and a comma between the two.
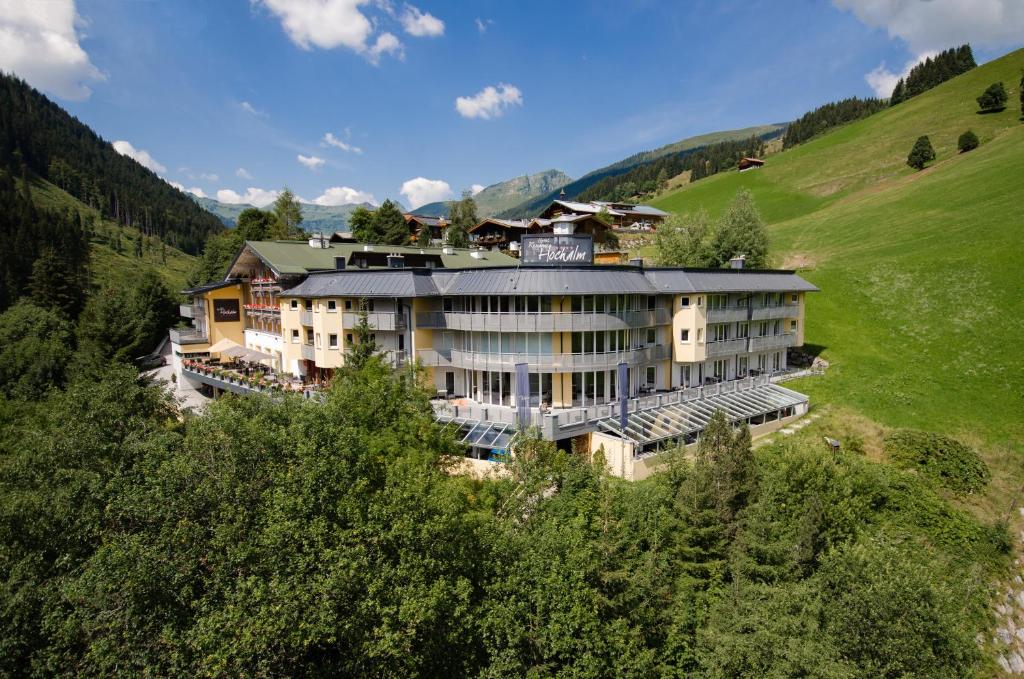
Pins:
x: 472, y: 360
x: 262, y: 310
x: 542, y: 321
x: 306, y: 317
x: 727, y: 314
x: 766, y: 313
x: 378, y: 320
x: 187, y: 311
x: 308, y: 352
x: 787, y: 339
x: 188, y: 336
x: 727, y: 347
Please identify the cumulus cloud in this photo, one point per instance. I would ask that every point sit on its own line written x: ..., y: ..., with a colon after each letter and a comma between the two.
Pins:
x: 252, y: 196
x: 344, y: 195
x: 489, y: 102
x: 312, y: 162
x: 421, y: 24
x: 882, y: 80
x: 141, y: 156
x: 933, y: 25
x: 329, y: 24
x: 330, y: 140
x: 242, y: 173
x: 420, y: 191
x: 476, y: 188
x: 196, y: 191
x: 177, y: 185
x: 39, y: 42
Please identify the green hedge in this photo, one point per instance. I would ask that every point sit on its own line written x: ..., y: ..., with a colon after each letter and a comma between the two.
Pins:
x: 946, y: 460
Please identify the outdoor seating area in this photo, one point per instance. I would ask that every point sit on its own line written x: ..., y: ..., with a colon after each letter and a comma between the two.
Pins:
x: 253, y: 376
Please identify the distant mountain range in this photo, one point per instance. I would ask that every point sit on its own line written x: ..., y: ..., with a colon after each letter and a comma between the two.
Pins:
x: 533, y: 206
x: 315, y: 218
x: 507, y: 194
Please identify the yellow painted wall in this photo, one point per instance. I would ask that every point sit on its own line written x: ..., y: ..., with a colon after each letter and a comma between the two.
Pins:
x: 692, y: 318
x: 234, y: 331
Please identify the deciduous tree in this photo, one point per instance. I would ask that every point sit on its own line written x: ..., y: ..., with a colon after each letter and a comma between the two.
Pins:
x: 685, y: 240
x: 968, y: 141
x: 288, y: 215
x: 993, y: 98
x: 741, y: 231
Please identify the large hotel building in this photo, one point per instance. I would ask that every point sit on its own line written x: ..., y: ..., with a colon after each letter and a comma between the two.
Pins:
x: 627, y: 358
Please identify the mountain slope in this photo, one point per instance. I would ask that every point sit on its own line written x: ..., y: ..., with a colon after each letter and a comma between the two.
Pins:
x: 57, y: 147
x: 533, y: 206
x: 504, y: 195
x: 920, y: 311
x: 326, y: 218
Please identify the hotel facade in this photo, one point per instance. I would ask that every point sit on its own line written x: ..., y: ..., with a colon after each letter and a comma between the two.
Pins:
x: 626, y: 359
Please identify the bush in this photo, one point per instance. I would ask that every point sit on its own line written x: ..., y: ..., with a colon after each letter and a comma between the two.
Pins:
x: 921, y: 154
x: 993, y: 98
x: 948, y: 461
x: 968, y: 141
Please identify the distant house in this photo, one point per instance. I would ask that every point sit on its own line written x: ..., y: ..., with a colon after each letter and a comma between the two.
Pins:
x: 437, y: 225
x: 500, y: 233
x: 749, y: 164
x: 625, y: 216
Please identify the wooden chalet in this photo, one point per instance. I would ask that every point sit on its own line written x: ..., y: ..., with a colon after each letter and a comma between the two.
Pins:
x: 745, y: 164
x: 625, y: 216
x: 500, y: 233
x: 437, y: 225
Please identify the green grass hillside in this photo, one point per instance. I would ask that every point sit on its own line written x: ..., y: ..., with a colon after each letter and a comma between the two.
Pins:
x: 108, y: 266
x: 921, y: 312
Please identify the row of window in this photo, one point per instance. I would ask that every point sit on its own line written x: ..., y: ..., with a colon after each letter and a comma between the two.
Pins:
x: 722, y: 332
x: 331, y: 305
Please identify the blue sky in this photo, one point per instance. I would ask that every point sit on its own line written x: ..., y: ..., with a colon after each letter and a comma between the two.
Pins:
x: 231, y: 96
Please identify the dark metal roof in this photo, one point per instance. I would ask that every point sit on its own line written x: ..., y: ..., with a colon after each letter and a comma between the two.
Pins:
x: 200, y: 289
x: 548, y: 281
x: 372, y: 283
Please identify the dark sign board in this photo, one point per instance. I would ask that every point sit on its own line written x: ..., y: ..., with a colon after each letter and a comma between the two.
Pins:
x: 549, y: 250
x: 226, y: 310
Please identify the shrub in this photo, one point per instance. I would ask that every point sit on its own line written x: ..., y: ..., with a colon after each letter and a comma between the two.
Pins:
x: 921, y: 154
x: 946, y: 460
x: 993, y: 98
x: 968, y: 141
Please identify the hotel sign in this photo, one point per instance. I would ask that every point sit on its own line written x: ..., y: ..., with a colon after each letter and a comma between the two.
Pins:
x: 226, y: 311
x: 547, y: 250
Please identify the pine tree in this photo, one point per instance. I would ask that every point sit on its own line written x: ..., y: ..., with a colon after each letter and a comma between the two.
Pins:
x: 993, y: 98
x: 968, y: 141
x: 389, y: 224
x: 898, y: 93
x: 288, y: 214
x: 364, y: 346
x: 741, y: 231
x: 423, y: 237
x: 921, y: 154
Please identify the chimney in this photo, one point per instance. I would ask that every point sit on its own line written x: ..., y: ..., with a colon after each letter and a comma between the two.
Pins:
x: 339, y: 263
x: 318, y: 241
x: 447, y: 250
x: 396, y: 262
x: 737, y: 262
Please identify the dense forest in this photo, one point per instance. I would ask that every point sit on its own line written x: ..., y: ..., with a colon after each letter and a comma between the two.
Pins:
x: 652, y: 176
x: 50, y: 143
x: 933, y: 71
x: 833, y: 114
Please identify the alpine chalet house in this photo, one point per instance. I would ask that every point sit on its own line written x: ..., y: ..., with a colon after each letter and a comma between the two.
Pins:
x: 625, y: 216
x: 624, y: 358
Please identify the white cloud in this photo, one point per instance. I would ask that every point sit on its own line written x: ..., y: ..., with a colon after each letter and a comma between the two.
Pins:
x: 482, y: 24
x: 252, y: 196
x: 180, y: 187
x: 386, y: 44
x: 882, y: 80
x: 489, y: 102
x: 934, y: 25
x: 141, y: 156
x: 312, y: 162
x: 344, y: 195
x: 196, y: 191
x: 476, y: 188
x: 249, y: 108
x: 330, y: 140
x: 39, y: 42
x: 242, y: 173
x: 421, y: 24
x: 328, y: 24
x: 209, y: 177
x: 420, y: 191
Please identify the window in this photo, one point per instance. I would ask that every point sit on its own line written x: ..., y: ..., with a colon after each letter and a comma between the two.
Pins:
x: 348, y: 305
x: 719, y: 368
x: 700, y: 334
x: 295, y: 336
x: 742, y: 330
x: 794, y: 298
x: 295, y: 304
x: 741, y: 366
x: 700, y: 301
x: 318, y: 340
x: 652, y: 336
x: 309, y: 335
x: 777, y: 360
x: 332, y: 341
x: 650, y: 303
x: 348, y: 338
x: 332, y: 305
x: 684, y: 302
x: 684, y: 335
x: 792, y: 326
x: 309, y: 305
x: 652, y: 376
x: 684, y: 375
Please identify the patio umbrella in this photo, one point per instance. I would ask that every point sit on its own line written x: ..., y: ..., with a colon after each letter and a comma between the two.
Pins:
x: 257, y: 356
x: 224, y: 345
x: 235, y: 351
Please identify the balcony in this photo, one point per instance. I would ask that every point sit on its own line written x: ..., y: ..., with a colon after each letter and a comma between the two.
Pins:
x: 378, y: 320
x: 262, y: 310
x: 306, y: 318
x: 308, y: 352
x: 728, y: 347
x: 542, y: 321
x: 473, y: 360
x: 767, y: 313
x: 786, y: 339
x: 727, y: 314
x: 188, y: 336
x: 187, y: 311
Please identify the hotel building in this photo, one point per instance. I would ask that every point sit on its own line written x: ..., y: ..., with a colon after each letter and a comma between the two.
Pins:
x: 576, y: 349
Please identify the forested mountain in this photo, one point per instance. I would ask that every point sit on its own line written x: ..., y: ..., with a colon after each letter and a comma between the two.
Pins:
x: 574, y: 189
x: 50, y: 143
x: 934, y: 71
x: 315, y: 218
x: 828, y: 116
x: 502, y: 196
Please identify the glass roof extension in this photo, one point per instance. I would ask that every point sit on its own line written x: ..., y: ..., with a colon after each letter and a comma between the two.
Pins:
x: 676, y: 420
x: 480, y: 433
